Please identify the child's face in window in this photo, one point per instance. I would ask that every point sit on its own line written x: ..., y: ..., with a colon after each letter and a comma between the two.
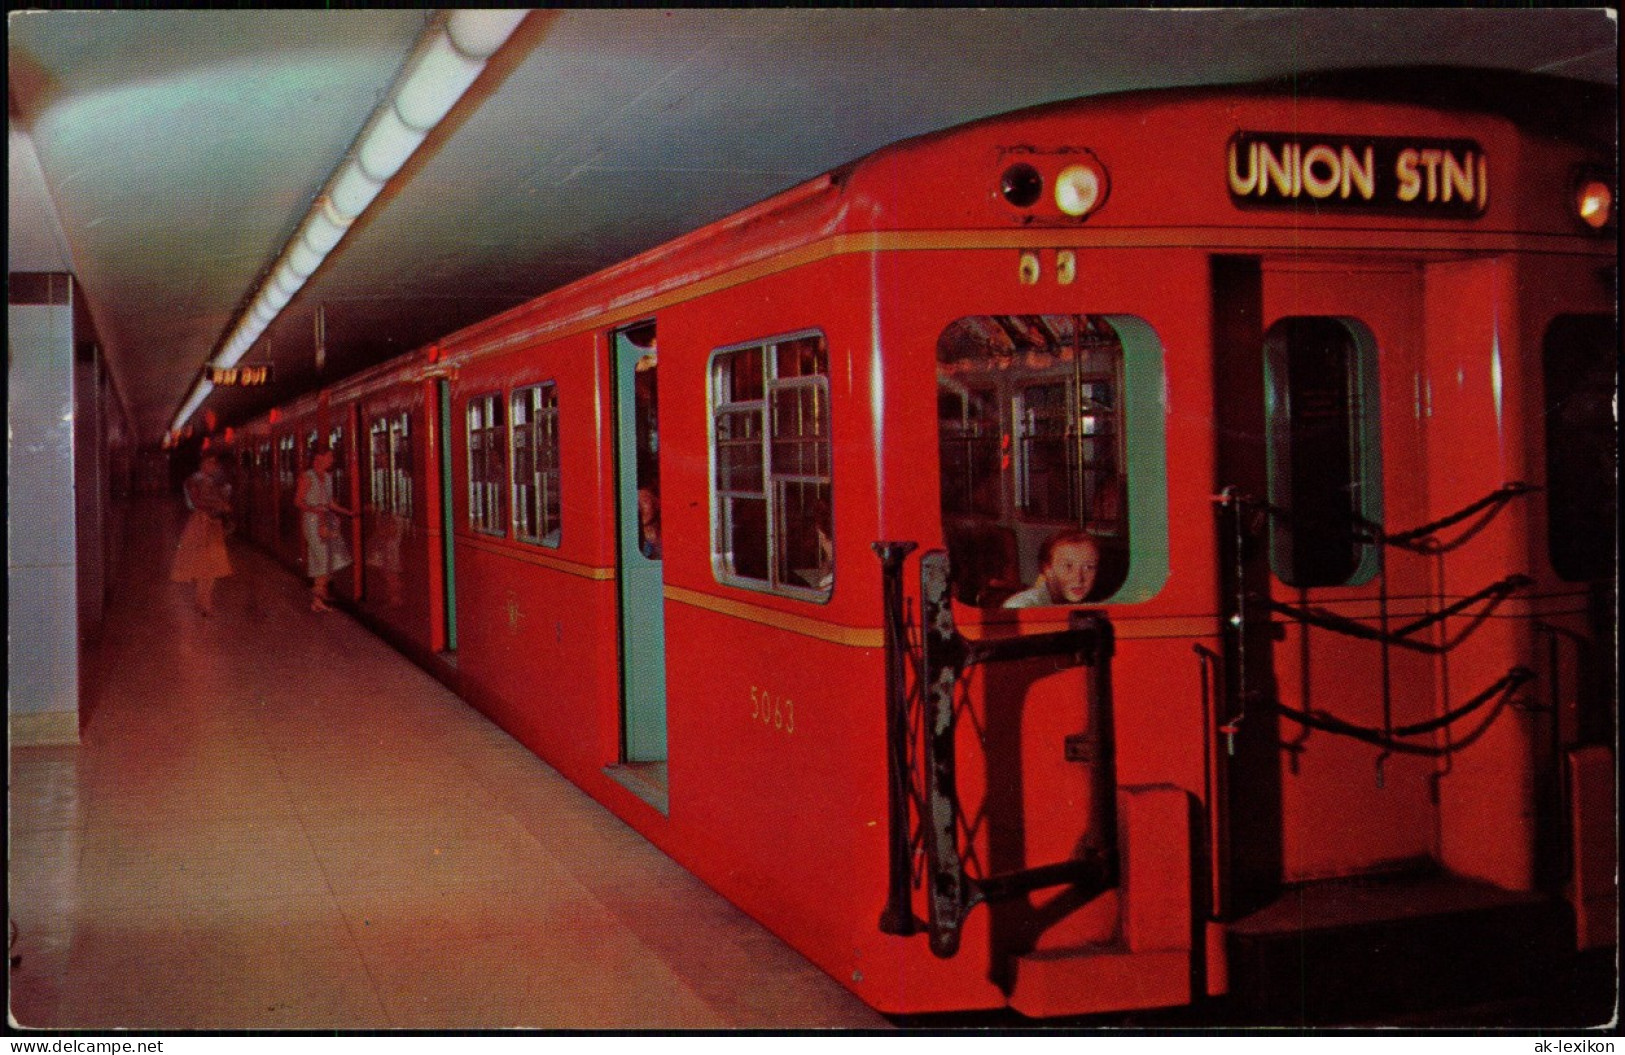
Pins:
x: 1071, y: 572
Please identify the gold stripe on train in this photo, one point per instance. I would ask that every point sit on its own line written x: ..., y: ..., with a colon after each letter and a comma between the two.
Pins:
x: 569, y: 567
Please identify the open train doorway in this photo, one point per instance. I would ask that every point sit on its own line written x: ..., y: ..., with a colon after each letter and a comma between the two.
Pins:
x: 639, y: 560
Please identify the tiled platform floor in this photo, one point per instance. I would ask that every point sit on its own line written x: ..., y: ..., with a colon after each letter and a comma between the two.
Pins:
x: 274, y: 821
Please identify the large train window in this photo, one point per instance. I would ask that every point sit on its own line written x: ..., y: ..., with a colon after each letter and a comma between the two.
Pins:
x: 1581, y: 445
x: 1036, y: 458
x: 536, y: 464
x: 1323, y: 450
x: 772, y: 523
x: 487, y: 471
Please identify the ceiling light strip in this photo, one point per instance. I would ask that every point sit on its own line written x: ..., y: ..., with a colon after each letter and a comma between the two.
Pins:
x: 442, y: 67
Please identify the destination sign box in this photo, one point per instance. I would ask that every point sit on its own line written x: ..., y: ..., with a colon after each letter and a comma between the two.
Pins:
x: 238, y: 376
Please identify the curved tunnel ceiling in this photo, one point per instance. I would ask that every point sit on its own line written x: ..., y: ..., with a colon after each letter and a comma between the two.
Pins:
x: 165, y: 157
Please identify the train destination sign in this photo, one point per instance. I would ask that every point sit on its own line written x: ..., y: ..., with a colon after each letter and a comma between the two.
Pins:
x: 239, y: 376
x: 1390, y: 174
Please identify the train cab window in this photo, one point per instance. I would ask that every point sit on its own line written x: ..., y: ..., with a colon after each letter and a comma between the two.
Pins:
x: 1031, y: 413
x: 1322, y: 452
x: 487, y: 471
x: 772, y: 521
x: 535, y: 417
x: 1581, y: 445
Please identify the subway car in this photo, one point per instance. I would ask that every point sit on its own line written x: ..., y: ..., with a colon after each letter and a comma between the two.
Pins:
x: 1097, y: 558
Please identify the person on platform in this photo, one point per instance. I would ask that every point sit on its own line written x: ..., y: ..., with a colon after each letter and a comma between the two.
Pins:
x: 326, y: 551
x: 201, y: 558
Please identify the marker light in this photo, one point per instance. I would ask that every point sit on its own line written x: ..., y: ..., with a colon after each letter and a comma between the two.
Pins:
x: 1021, y: 185
x: 1079, y: 189
x: 1594, y: 201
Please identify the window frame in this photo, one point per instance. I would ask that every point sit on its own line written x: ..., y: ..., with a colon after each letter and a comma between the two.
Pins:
x: 487, y: 515
x: 1138, y: 451
x: 287, y: 462
x: 389, y: 471
x: 771, y: 483
x: 550, y: 532
x: 399, y: 441
x: 378, y: 465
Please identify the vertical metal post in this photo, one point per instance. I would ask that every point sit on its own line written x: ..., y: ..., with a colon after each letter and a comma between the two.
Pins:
x: 898, y: 915
x: 1102, y: 831
x: 948, y: 895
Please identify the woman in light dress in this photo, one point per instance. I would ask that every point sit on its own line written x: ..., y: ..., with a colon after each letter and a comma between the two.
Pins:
x: 201, y: 556
x: 326, y: 551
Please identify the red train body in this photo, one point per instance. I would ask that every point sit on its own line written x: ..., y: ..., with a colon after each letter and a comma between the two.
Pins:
x: 1243, y: 341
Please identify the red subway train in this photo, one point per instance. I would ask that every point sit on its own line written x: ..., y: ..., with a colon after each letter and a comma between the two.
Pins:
x: 1086, y: 560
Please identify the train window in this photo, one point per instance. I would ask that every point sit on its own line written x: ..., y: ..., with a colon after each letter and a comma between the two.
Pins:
x: 400, y: 465
x: 378, y: 466
x: 389, y: 465
x: 341, y: 465
x: 1324, y: 474
x: 1032, y: 448
x: 772, y: 521
x: 487, y: 473
x: 535, y: 417
x: 646, y: 441
x: 287, y: 468
x: 1581, y: 464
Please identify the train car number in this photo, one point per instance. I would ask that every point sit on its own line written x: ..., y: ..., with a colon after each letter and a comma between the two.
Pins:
x: 776, y: 712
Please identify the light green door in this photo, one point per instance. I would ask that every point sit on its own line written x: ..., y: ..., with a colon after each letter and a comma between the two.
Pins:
x: 447, y: 520
x: 640, y: 548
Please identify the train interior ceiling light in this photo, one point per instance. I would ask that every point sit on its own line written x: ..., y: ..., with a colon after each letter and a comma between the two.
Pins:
x: 445, y: 63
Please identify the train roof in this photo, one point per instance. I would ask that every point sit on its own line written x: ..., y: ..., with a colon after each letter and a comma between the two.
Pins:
x: 1545, y: 106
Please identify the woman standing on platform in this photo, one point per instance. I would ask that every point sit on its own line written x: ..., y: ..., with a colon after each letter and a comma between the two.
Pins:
x: 326, y: 551
x: 201, y: 556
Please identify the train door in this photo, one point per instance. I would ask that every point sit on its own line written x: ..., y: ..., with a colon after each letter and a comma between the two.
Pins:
x: 1310, y: 391
x: 639, y: 551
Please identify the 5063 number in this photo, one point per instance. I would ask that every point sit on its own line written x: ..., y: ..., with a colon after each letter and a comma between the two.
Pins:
x: 775, y: 712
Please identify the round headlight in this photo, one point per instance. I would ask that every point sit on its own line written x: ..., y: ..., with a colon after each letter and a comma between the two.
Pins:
x: 1594, y: 201
x: 1021, y: 185
x: 1079, y: 189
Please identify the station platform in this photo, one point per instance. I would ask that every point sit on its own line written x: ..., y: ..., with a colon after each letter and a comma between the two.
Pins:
x: 274, y: 821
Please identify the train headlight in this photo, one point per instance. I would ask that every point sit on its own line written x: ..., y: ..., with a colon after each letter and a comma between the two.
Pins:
x: 1080, y: 188
x: 1594, y: 202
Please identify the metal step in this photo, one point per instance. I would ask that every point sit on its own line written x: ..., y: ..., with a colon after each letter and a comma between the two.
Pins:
x: 1344, y: 950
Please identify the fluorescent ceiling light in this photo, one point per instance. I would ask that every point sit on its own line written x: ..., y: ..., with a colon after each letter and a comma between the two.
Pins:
x: 447, y: 60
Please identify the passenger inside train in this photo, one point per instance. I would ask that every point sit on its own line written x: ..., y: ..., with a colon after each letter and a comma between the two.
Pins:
x: 1067, y: 566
